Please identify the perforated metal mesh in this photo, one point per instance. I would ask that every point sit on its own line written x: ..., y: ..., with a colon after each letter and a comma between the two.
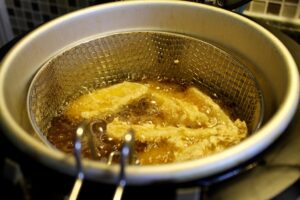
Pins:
x: 139, y: 55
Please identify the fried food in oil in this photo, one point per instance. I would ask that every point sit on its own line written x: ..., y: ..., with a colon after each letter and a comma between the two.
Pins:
x: 171, y: 123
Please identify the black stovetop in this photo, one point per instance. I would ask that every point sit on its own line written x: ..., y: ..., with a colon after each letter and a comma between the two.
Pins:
x: 276, y: 175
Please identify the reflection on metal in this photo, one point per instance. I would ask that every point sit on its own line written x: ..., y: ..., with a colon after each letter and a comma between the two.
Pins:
x: 191, y: 193
x: 13, y: 173
x: 77, y: 154
x: 125, y: 159
x: 5, y: 27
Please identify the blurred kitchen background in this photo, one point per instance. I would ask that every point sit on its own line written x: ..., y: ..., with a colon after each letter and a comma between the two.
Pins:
x: 20, y: 16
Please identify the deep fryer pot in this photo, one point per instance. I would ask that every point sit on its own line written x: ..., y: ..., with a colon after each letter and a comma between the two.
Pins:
x: 267, y: 58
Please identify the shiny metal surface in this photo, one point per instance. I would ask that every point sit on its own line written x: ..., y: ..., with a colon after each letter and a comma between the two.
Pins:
x: 77, y: 153
x: 126, y: 158
x: 271, y: 62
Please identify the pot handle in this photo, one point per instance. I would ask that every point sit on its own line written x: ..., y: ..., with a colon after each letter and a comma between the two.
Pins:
x: 200, y: 190
x: 230, y: 4
x: 80, y: 175
x: 226, y: 4
x: 126, y: 157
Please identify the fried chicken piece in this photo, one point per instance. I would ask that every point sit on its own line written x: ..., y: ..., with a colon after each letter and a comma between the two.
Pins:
x: 105, y: 101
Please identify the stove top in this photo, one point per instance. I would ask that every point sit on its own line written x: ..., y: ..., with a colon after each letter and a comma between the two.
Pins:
x: 275, y: 175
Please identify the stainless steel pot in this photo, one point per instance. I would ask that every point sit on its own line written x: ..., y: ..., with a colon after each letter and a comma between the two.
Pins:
x: 271, y: 63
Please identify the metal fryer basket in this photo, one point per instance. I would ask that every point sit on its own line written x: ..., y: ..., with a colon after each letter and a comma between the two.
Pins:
x: 133, y: 56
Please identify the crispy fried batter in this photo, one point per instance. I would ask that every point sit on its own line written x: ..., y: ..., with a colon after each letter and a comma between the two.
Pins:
x: 105, y: 101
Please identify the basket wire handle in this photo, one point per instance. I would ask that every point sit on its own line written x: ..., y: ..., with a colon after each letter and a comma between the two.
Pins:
x: 84, y: 127
x: 127, y: 157
x: 77, y: 153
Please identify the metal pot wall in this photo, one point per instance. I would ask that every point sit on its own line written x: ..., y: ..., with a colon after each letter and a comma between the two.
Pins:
x: 271, y: 63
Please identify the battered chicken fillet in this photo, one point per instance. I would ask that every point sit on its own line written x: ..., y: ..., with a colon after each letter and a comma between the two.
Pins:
x: 106, y: 101
x: 186, y: 143
x: 178, y: 112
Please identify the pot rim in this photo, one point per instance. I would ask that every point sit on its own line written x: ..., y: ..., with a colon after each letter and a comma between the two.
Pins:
x: 178, y: 172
